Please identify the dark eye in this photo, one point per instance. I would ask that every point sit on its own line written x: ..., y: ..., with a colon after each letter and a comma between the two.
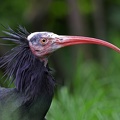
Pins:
x: 43, y: 41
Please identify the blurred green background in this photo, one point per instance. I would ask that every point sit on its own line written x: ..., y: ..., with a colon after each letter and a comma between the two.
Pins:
x: 87, y: 76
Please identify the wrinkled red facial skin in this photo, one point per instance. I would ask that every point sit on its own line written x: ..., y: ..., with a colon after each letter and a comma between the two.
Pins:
x: 41, y: 51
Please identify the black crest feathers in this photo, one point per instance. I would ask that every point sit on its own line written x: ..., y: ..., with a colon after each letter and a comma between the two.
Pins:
x: 19, y: 37
x: 13, y: 60
x: 20, y: 65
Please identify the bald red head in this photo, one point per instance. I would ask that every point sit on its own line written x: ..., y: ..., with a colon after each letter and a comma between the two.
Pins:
x: 44, y: 43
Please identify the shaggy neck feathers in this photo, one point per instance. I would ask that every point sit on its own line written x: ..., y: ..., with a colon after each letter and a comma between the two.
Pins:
x: 30, y: 75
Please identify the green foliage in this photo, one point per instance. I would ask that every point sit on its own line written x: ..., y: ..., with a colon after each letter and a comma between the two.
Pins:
x: 60, y: 8
x: 92, y: 100
x: 85, y: 6
x: 81, y: 107
x: 11, y: 11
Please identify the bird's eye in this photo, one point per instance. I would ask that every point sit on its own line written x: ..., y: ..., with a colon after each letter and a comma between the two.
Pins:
x: 43, y: 41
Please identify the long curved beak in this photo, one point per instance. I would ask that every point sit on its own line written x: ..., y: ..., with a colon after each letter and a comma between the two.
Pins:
x: 73, y: 40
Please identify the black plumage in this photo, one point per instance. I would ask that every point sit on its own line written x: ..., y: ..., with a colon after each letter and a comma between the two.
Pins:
x: 34, y: 84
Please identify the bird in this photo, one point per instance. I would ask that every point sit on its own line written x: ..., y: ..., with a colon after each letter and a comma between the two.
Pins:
x: 26, y: 65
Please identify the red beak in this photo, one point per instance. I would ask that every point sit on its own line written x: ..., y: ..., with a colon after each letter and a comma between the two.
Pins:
x: 73, y: 40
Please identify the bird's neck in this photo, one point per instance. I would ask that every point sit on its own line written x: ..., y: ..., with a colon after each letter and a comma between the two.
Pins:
x: 31, y: 75
x: 34, y: 80
x: 37, y: 89
x: 45, y: 60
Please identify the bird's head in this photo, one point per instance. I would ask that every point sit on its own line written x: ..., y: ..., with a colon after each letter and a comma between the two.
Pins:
x: 42, y: 44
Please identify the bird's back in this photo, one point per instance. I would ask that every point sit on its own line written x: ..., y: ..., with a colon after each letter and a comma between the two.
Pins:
x: 12, y: 106
x: 8, y: 102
